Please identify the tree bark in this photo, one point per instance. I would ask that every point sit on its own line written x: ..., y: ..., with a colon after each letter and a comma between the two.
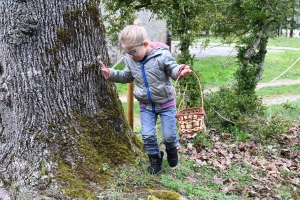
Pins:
x: 59, y: 118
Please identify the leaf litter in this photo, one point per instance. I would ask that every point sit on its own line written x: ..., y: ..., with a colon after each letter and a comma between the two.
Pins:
x: 269, y: 166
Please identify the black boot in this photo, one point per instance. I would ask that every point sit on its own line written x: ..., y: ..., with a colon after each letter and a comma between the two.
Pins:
x: 155, y: 163
x: 172, y: 156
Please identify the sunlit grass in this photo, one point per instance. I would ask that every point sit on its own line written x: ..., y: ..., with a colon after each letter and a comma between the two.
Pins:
x: 219, y: 71
x: 278, y: 62
x: 216, y: 71
x: 291, y: 110
x: 278, y: 90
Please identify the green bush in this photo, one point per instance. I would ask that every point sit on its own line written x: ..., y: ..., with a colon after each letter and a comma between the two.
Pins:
x: 225, y: 108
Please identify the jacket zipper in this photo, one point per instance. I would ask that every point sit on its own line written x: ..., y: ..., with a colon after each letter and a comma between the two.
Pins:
x: 146, y: 84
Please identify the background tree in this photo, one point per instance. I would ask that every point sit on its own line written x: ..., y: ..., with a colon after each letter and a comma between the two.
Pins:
x: 293, y: 24
x: 60, y: 120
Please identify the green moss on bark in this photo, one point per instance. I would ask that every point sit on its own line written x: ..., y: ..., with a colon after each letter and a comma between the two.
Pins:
x: 164, y: 194
x: 98, y: 150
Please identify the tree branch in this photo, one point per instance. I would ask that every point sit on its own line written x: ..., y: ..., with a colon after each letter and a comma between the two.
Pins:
x: 223, y: 117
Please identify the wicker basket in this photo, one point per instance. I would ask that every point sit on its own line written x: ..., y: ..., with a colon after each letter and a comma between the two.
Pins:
x: 191, y: 120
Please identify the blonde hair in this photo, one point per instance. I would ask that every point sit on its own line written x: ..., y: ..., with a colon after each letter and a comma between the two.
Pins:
x: 132, y: 35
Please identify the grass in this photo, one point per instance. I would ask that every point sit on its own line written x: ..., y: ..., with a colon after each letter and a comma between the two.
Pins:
x: 219, y: 71
x: 290, y: 110
x: 215, y: 71
x: 278, y: 90
x: 189, y: 180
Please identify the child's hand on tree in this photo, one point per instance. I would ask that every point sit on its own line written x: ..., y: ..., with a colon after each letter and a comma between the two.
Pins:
x: 105, y: 70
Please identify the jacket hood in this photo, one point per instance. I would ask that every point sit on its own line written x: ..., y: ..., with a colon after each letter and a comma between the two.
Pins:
x: 156, y: 45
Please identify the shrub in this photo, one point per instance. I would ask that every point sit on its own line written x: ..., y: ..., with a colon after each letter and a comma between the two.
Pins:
x: 225, y: 108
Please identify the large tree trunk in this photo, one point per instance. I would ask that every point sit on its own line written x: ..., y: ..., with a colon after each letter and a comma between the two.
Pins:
x: 60, y: 120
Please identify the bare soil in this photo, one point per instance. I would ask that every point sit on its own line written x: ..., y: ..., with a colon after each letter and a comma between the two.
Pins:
x: 281, y: 98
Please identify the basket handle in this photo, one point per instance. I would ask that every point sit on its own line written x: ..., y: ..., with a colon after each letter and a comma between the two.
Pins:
x: 201, y: 94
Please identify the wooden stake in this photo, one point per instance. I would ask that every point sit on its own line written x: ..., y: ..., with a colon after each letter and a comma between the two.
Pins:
x: 130, y: 104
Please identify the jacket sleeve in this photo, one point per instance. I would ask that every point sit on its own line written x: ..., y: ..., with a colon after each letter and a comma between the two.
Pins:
x: 121, y: 76
x: 170, y: 65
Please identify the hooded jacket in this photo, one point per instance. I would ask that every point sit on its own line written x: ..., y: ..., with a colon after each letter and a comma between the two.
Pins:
x: 152, y: 76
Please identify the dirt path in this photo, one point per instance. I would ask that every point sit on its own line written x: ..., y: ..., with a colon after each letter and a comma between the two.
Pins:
x: 280, y: 82
x: 281, y: 98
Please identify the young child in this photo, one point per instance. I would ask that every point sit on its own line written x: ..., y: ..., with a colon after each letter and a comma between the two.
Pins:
x: 150, y: 66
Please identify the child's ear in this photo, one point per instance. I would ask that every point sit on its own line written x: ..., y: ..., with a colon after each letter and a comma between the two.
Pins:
x: 145, y: 43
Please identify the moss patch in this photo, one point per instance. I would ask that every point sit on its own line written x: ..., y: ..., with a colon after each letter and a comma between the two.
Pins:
x: 65, y: 35
x: 78, y: 19
x: 73, y: 185
x: 92, y: 146
x: 97, y: 151
x: 93, y: 13
x: 164, y: 195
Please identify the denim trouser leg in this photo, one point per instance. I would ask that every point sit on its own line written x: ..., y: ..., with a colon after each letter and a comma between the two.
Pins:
x: 168, y: 122
x: 148, y: 122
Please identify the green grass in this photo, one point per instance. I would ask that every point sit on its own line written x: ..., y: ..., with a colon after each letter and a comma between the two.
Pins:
x: 200, y: 183
x: 290, y: 110
x: 278, y: 62
x: 219, y: 71
x: 215, y: 71
x: 284, y: 42
x: 278, y: 90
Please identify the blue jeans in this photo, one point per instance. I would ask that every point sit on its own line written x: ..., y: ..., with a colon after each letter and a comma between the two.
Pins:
x: 148, y: 122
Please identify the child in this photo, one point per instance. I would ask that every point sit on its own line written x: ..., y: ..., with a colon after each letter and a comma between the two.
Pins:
x: 150, y: 66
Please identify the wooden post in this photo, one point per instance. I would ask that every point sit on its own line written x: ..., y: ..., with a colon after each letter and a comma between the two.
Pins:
x: 169, y: 39
x: 130, y: 104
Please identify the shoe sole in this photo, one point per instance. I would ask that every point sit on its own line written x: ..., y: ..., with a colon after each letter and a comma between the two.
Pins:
x: 174, y: 167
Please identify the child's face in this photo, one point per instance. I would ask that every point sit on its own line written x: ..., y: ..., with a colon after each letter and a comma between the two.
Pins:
x: 137, y: 52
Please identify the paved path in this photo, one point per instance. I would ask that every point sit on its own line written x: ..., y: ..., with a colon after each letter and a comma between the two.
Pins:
x: 215, y: 49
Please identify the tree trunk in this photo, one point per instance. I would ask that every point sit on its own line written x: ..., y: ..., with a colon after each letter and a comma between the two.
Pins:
x: 291, y: 32
x: 279, y: 30
x: 60, y: 120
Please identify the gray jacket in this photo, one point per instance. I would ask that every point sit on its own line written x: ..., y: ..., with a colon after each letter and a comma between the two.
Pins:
x: 151, y: 76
